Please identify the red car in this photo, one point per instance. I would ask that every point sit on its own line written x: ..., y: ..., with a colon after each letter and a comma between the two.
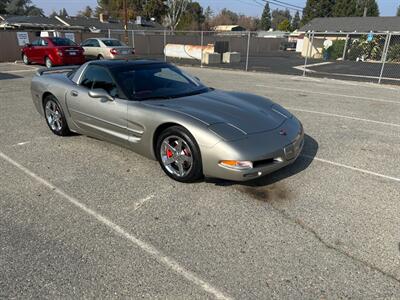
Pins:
x: 53, y: 51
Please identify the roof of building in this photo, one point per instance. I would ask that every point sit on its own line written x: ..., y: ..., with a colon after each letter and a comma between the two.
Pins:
x: 11, y: 21
x: 353, y: 24
x: 95, y: 24
x: 229, y: 28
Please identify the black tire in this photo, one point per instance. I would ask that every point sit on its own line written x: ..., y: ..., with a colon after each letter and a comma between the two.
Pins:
x: 62, y: 129
x: 48, y: 62
x: 195, y: 172
x: 25, y: 59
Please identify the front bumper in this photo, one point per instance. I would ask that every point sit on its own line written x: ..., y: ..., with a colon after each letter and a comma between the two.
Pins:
x: 264, y: 163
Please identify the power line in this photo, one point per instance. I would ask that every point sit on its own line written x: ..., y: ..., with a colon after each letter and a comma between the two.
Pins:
x: 273, y: 2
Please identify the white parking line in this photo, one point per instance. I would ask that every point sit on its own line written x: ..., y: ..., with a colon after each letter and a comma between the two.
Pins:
x: 139, y: 203
x: 21, y: 65
x: 329, y: 94
x: 17, y: 71
x: 151, y: 250
x: 342, y: 116
x: 352, y: 168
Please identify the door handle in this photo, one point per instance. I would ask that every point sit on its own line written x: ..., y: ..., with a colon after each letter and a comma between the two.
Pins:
x: 74, y: 93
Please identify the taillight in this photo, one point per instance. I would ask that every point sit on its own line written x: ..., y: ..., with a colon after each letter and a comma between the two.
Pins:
x: 114, y: 51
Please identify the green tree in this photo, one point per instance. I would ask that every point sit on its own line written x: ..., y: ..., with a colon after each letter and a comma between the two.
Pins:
x: 208, y: 15
x: 114, y: 8
x: 317, y: 9
x: 192, y: 18
x: 87, y: 12
x: 345, y: 8
x: 3, y: 5
x: 398, y: 11
x: 296, y: 21
x: 284, y: 25
x: 155, y: 9
x: 266, y: 20
x: 370, y: 5
x: 63, y: 13
x: 22, y: 7
x: 278, y: 16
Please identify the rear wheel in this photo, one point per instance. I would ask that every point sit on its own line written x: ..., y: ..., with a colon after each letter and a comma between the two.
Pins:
x: 25, y: 59
x: 179, y: 155
x: 100, y: 57
x: 48, y: 62
x: 55, y: 117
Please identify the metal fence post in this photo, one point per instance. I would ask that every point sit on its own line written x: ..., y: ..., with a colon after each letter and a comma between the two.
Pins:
x: 109, y: 33
x: 384, y: 55
x: 248, y: 50
x: 202, y: 44
x: 345, y: 47
x: 165, y: 43
x: 309, y: 49
x: 133, y: 39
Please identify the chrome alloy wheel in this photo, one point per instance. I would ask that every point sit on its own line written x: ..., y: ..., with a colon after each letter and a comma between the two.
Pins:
x: 176, y: 156
x: 53, y: 115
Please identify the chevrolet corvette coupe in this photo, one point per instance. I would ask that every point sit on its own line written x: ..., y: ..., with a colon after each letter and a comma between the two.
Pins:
x: 162, y: 113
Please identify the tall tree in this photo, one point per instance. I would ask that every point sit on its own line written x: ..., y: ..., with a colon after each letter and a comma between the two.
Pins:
x: 284, y: 25
x: 192, y: 18
x: 175, y: 10
x: 87, y: 12
x: 225, y: 17
x: 296, y: 21
x: 155, y: 9
x: 114, y: 8
x: 398, y: 11
x: 278, y: 16
x: 345, y: 8
x: 317, y: 9
x: 22, y: 7
x: 63, y: 13
x: 370, y: 6
x: 266, y: 21
x: 3, y: 5
x: 208, y: 15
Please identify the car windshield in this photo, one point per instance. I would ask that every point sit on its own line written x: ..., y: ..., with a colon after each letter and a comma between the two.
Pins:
x: 112, y: 43
x: 62, y: 42
x: 156, y: 81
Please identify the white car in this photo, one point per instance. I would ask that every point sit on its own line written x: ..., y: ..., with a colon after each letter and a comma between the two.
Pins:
x: 107, y: 48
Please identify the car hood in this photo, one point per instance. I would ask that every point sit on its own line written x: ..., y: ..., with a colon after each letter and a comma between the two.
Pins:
x: 248, y: 113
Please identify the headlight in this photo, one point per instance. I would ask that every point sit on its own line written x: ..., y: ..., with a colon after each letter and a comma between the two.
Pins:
x: 237, y: 164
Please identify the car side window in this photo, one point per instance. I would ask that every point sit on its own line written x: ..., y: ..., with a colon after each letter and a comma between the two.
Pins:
x: 87, y: 43
x: 97, y: 77
x: 96, y: 43
x: 36, y: 43
x: 43, y: 42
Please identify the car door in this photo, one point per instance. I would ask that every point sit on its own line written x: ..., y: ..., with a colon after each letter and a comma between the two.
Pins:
x: 99, y: 117
x: 33, y: 51
x: 43, y: 50
x: 89, y: 47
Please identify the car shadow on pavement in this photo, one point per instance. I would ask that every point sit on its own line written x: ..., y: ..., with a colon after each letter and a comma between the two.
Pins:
x: 305, y: 159
x: 5, y: 76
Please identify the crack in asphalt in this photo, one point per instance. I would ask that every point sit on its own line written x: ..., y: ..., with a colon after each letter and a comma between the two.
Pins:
x: 312, y: 231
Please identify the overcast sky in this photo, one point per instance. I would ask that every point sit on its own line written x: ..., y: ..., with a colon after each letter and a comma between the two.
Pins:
x: 248, y: 7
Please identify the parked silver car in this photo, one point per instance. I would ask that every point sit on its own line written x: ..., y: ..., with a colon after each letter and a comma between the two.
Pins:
x: 162, y: 113
x: 107, y: 48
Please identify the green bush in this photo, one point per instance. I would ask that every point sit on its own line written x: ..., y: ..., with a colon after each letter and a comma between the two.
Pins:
x: 394, y: 53
x: 361, y: 47
x: 335, y: 51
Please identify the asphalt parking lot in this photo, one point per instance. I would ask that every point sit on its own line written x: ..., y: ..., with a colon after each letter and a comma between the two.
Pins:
x: 84, y: 218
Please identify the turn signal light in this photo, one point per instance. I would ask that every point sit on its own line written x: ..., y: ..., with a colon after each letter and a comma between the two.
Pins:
x: 237, y: 164
x: 114, y: 51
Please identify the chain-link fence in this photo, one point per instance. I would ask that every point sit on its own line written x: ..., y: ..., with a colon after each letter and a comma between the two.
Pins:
x: 235, y: 50
x: 369, y: 56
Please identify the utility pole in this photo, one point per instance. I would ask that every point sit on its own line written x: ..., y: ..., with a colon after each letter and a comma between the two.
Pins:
x: 365, y: 11
x: 126, y: 21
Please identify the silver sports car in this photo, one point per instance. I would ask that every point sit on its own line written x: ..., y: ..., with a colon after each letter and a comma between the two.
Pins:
x: 162, y: 113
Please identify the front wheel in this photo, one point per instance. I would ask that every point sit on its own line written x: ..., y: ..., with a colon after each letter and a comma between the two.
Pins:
x: 55, y: 117
x: 25, y: 59
x: 48, y: 62
x: 179, y: 155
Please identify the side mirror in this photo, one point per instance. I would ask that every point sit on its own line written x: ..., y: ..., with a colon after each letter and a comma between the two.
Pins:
x: 100, y: 93
x: 28, y: 45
